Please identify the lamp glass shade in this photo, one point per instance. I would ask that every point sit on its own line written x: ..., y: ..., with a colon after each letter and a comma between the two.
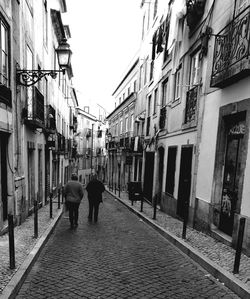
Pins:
x: 63, y: 54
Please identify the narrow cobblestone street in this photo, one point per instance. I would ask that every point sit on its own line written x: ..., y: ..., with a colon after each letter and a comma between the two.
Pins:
x: 118, y: 257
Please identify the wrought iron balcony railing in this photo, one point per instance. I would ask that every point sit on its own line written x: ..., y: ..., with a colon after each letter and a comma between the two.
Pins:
x: 231, y: 60
x: 191, y: 105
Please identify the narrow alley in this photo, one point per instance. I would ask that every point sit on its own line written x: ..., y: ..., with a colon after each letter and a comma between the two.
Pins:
x: 118, y: 257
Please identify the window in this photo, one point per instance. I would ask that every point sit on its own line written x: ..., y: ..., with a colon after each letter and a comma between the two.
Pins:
x: 135, y: 86
x: 146, y: 71
x: 132, y: 122
x: 4, y: 58
x: 195, y: 69
x: 155, y: 100
x: 29, y: 65
x: 149, y: 104
x: 171, y: 165
x: 140, y: 78
x: 164, y: 93
x: 143, y: 25
x: 126, y: 123
x: 155, y: 8
x: 177, y: 84
x: 151, y: 70
x: 121, y: 126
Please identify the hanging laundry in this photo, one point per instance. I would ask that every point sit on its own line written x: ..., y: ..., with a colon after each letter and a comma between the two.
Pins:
x: 159, y: 48
x: 154, y: 45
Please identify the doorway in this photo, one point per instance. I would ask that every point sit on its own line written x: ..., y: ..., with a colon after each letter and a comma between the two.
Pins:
x: 160, y: 172
x: 3, y: 175
x: 184, y: 181
x: 235, y: 129
x: 148, y: 175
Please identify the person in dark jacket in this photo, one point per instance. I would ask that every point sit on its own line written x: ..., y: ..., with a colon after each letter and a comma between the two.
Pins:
x: 95, y: 188
x: 73, y: 192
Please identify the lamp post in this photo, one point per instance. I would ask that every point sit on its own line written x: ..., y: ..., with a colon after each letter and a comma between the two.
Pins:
x: 31, y: 77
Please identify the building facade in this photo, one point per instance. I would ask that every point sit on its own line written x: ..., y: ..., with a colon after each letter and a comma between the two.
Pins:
x: 90, y: 142
x: 192, y: 110
x: 38, y: 127
x: 124, y: 151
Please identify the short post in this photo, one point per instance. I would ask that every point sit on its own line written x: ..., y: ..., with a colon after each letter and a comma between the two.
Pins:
x: 141, y: 203
x: 185, y: 220
x: 36, y: 217
x: 62, y: 189
x: 11, y: 241
x: 155, y: 206
x: 51, y: 204
x: 119, y: 179
x: 59, y: 197
x: 239, y: 245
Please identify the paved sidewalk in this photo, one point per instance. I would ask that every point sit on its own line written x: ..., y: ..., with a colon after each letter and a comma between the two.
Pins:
x: 216, y: 257
x: 26, y: 247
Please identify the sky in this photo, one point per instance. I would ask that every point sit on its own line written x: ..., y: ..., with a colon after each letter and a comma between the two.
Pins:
x: 105, y: 37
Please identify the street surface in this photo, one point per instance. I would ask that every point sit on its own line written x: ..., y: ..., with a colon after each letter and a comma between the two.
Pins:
x: 118, y: 257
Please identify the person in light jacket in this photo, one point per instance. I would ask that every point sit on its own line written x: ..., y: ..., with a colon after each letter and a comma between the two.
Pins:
x: 73, y: 192
x: 95, y: 188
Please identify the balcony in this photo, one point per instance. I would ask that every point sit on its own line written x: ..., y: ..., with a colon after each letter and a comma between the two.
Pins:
x: 73, y: 123
x: 191, y: 105
x: 61, y: 143
x: 163, y: 114
x: 50, y: 119
x: 231, y: 60
x: 33, y: 115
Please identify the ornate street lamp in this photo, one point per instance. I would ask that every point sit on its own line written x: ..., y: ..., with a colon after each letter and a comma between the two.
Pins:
x: 31, y: 77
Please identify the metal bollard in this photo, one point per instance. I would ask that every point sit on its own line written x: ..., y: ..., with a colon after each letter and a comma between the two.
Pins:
x: 11, y: 241
x: 59, y: 197
x: 51, y: 204
x: 62, y: 194
x: 155, y: 206
x: 185, y: 220
x: 35, y: 218
x: 141, y: 203
x: 239, y: 245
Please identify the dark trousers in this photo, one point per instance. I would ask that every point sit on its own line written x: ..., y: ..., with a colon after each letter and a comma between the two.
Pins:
x: 73, y: 212
x: 93, y: 207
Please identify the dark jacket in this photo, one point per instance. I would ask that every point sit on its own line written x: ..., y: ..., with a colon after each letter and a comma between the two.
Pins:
x: 73, y: 191
x: 95, y: 189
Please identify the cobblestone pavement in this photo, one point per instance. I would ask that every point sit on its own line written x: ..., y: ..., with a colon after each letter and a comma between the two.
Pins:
x: 212, y: 249
x: 24, y: 242
x: 118, y: 257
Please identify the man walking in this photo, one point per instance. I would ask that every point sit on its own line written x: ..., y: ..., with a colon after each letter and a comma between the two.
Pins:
x: 95, y: 188
x: 73, y: 192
